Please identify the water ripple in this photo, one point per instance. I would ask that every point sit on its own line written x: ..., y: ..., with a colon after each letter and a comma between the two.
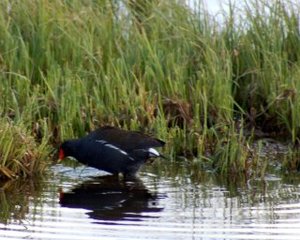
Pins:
x: 153, y: 207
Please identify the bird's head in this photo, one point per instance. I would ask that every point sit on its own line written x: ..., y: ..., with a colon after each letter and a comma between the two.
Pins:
x: 65, y: 150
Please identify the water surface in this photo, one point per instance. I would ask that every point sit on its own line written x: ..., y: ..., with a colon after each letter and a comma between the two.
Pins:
x: 84, y: 203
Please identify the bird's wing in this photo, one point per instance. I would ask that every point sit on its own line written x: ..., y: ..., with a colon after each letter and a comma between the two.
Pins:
x: 129, y: 140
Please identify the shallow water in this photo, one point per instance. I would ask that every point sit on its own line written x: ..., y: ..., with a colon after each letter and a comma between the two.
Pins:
x: 84, y: 203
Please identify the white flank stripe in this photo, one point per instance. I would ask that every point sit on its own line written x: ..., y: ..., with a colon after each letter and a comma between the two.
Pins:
x: 153, y: 152
x: 116, y: 148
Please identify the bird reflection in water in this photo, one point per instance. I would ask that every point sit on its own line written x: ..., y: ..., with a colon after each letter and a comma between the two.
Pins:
x: 112, y: 199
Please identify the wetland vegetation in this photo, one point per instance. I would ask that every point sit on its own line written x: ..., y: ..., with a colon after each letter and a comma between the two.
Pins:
x: 209, y: 88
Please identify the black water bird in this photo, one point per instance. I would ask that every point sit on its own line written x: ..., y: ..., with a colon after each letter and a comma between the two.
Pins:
x: 113, y: 150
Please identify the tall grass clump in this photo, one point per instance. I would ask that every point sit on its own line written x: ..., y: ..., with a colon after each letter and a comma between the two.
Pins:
x: 68, y: 67
x: 20, y: 154
x: 266, y: 66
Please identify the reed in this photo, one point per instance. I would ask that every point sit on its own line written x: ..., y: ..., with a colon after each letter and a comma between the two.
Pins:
x: 20, y: 155
x: 160, y: 66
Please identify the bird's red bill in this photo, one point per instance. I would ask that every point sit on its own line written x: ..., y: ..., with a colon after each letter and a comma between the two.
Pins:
x: 61, y: 154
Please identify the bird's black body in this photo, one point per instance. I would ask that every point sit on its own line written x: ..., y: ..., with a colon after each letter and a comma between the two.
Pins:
x: 112, y: 149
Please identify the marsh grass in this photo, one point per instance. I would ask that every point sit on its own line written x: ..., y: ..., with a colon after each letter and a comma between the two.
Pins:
x: 20, y: 154
x: 69, y: 67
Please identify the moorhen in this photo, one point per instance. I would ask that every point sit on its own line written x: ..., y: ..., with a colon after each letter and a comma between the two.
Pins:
x: 112, y: 149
